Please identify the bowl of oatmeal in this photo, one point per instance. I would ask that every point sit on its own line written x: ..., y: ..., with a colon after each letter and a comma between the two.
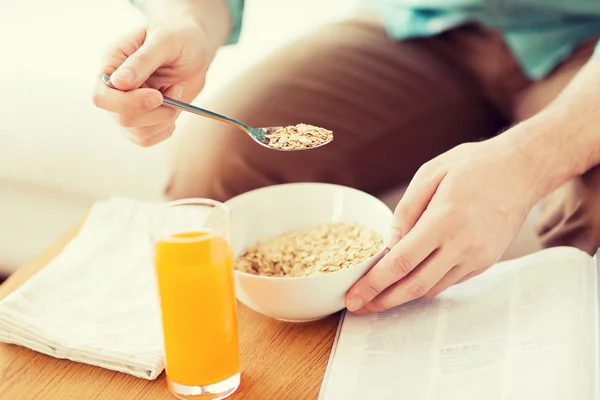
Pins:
x: 300, y: 247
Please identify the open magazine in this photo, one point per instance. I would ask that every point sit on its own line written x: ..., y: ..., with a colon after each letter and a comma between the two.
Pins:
x: 525, y: 329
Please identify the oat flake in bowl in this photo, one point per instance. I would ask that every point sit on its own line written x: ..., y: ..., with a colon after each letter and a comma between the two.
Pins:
x: 318, y: 250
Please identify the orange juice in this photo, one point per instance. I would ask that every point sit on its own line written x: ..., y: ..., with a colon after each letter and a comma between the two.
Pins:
x: 195, y: 282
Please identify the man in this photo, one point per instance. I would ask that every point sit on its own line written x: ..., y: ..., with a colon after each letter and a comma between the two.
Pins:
x: 412, y: 96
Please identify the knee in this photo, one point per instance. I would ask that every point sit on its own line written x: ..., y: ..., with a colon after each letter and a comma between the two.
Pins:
x: 186, y: 185
x: 205, y: 181
x: 214, y: 164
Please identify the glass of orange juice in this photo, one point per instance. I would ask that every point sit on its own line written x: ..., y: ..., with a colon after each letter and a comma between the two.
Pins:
x: 194, y: 271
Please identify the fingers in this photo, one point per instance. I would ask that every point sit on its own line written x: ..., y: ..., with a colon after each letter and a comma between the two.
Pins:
x: 405, y: 291
x: 150, y: 118
x: 138, y: 67
x: 119, y: 50
x: 132, y: 60
x: 405, y: 256
x: 450, y: 279
x: 418, y: 242
x: 152, y: 140
x: 134, y: 102
x: 152, y: 127
x: 414, y: 286
x: 124, y: 101
x: 414, y: 201
x: 470, y: 275
x: 148, y: 132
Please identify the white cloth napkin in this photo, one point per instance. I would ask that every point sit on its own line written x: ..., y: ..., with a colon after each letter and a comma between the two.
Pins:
x: 96, y: 303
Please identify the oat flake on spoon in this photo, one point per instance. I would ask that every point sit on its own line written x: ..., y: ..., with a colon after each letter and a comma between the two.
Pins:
x: 301, y: 136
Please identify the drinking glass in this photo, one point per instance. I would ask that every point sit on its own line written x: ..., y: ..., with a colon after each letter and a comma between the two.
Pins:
x: 194, y: 272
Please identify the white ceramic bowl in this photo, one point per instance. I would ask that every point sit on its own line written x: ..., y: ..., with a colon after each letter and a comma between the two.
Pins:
x: 263, y: 213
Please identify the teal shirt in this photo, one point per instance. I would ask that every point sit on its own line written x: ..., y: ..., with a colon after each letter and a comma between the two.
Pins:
x: 236, y: 9
x: 540, y: 33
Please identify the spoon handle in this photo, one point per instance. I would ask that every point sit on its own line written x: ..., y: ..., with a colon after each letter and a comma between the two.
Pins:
x: 169, y: 102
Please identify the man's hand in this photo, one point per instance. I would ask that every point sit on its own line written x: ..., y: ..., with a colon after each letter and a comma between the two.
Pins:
x: 170, y: 57
x: 463, y: 208
x: 456, y: 219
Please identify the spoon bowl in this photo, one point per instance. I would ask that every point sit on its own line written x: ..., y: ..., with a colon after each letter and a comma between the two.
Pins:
x: 259, y: 135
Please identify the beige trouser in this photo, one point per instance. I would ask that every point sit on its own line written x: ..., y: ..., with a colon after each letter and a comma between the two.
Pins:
x: 392, y: 107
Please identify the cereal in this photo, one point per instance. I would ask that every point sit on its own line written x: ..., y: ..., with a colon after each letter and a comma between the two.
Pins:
x: 300, y: 136
x: 312, y: 251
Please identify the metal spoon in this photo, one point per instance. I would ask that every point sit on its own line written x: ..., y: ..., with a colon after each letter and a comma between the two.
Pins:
x: 257, y: 134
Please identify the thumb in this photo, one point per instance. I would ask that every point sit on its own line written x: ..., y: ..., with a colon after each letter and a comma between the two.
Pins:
x: 138, y: 67
x: 414, y: 202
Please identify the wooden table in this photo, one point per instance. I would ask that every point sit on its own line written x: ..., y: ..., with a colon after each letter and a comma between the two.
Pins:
x: 279, y: 360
